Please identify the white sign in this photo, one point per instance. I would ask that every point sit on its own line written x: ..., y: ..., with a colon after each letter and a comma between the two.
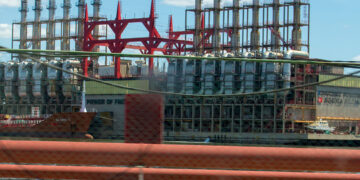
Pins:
x: 35, y: 111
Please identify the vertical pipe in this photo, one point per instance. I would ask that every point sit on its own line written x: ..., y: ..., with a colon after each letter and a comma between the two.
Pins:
x: 247, y: 29
x: 296, y: 34
x: 284, y: 29
x: 216, y: 36
x: 65, y: 43
x: 275, y: 41
x: 81, y: 14
x: 23, y: 27
x: 236, y: 33
x: 197, y: 36
x: 308, y: 28
x: 243, y: 30
x: 255, y: 34
x: 37, y: 26
x: 50, y: 44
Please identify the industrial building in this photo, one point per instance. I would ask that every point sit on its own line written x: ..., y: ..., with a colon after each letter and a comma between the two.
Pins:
x: 257, y: 30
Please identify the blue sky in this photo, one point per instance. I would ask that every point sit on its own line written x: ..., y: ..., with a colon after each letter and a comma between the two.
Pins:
x: 334, y: 23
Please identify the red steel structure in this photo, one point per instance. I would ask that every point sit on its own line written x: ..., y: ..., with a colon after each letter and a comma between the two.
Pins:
x: 150, y: 44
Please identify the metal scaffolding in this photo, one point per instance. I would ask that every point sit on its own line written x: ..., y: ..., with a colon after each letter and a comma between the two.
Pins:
x: 263, y: 26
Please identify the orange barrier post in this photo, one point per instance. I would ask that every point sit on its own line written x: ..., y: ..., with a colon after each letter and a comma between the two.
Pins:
x: 180, y: 156
x: 119, y: 173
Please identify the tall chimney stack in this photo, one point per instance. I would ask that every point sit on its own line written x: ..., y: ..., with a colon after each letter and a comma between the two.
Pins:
x: 216, y: 36
x: 65, y: 43
x: 96, y: 6
x: 197, y: 36
x: 50, y: 44
x: 255, y: 34
x: 236, y: 33
x: 296, y: 34
x: 81, y: 15
x: 23, y: 27
x: 37, y: 26
x: 275, y: 40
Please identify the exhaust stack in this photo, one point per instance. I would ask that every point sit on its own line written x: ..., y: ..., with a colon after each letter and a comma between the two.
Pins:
x: 236, y: 34
x: 96, y: 6
x: 81, y: 15
x: 37, y: 26
x: 197, y: 36
x: 275, y: 41
x: 65, y: 44
x: 296, y: 34
x: 50, y: 44
x: 255, y: 34
x: 216, y: 36
x: 23, y: 27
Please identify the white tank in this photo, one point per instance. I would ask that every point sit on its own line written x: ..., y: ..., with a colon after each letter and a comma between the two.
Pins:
x: 171, y: 77
x: 229, y: 75
x: 209, y: 76
x: 106, y: 71
x: 38, y: 73
x: 11, y: 76
x: 248, y: 73
x: 25, y: 73
x: 140, y: 69
x: 176, y: 75
x: 69, y: 80
x: 53, y: 77
x: 269, y: 73
x: 189, y: 77
x: 286, y: 68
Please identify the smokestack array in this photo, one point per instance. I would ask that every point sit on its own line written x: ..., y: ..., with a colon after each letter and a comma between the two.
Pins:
x: 65, y: 44
x: 37, y: 26
x: 255, y: 26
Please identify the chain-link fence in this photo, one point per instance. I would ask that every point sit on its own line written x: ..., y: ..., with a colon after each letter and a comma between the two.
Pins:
x: 195, y: 118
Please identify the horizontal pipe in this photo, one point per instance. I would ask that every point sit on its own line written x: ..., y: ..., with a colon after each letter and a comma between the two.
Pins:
x: 353, y: 64
x: 180, y: 156
x: 121, y: 173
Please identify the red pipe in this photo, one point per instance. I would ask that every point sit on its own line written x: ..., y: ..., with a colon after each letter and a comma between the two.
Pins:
x: 120, y: 173
x: 181, y: 156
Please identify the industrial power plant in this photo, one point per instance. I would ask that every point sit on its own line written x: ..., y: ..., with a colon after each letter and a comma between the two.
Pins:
x: 227, y: 101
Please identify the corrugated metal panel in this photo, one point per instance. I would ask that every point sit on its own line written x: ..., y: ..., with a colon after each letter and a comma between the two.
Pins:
x: 95, y: 88
x: 353, y: 82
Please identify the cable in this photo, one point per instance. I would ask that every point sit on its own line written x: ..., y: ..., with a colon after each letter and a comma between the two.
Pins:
x: 192, y: 95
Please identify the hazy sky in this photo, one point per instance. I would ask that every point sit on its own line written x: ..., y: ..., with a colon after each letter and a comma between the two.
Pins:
x: 335, y: 28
